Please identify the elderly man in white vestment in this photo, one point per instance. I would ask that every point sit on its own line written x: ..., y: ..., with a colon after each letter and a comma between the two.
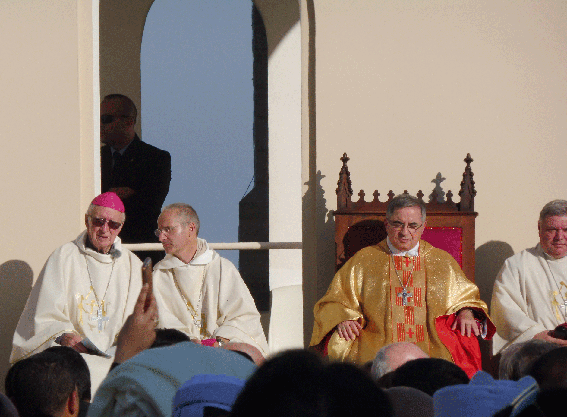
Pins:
x: 84, y: 293
x: 198, y: 291
x: 530, y: 293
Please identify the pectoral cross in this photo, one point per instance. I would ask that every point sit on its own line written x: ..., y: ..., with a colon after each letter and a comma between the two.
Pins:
x: 99, y: 317
x: 405, y: 295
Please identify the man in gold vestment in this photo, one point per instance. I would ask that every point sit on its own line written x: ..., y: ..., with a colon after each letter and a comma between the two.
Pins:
x: 402, y: 290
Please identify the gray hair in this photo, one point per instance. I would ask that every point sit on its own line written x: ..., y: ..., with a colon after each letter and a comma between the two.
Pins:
x: 185, y: 211
x: 380, y: 365
x: 553, y: 208
x: 92, y: 208
x: 405, y: 200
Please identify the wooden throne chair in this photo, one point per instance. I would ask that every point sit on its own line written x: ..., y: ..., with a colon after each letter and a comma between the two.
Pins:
x: 450, y: 225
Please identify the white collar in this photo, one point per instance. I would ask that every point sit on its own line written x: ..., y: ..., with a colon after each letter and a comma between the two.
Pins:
x: 396, y: 252
x: 203, y: 256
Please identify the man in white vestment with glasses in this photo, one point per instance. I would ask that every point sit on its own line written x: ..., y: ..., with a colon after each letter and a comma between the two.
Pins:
x: 85, y: 292
x: 199, y: 292
x: 530, y: 293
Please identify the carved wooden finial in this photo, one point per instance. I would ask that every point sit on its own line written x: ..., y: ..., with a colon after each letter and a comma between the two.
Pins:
x: 376, y: 194
x: 391, y: 195
x: 467, y: 192
x: 344, y: 185
x: 361, y: 195
x: 419, y: 195
x: 449, y: 196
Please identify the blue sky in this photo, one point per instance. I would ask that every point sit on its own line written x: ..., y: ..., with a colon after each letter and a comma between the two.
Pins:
x: 196, y: 64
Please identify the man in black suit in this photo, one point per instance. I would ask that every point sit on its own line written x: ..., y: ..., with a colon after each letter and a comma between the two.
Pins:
x: 137, y: 171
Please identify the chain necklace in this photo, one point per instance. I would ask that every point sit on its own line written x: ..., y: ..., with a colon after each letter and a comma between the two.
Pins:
x: 99, y: 313
x: 194, y: 312
x: 405, y: 294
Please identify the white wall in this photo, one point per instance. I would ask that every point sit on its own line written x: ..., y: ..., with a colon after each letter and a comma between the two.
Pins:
x: 408, y: 88
x: 46, y: 120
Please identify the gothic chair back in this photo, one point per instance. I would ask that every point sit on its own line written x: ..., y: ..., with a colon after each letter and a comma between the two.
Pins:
x: 450, y: 225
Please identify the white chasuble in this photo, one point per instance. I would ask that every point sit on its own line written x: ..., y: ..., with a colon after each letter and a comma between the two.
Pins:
x: 529, y: 297
x: 79, y: 291
x: 207, y: 298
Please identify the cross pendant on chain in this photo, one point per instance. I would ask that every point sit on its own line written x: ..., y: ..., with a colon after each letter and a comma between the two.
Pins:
x: 99, y: 317
x: 405, y: 295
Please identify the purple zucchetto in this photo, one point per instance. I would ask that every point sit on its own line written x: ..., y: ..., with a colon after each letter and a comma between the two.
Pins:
x: 110, y: 200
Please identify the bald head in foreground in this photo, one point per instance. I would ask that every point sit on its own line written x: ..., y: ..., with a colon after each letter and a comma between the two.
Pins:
x: 392, y: 356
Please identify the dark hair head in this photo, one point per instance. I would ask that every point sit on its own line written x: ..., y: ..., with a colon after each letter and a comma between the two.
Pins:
x: 428, y: 375
x: 78, y: 367
x: 127, y: 104
x: 40, y: 384
x: 168, y: 337
x: 7, y: 409
x: 550, y: 369
x: 298, y: 382
x: 517, y: 358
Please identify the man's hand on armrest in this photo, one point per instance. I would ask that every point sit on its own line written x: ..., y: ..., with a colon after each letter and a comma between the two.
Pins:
x: 466, y: 323
x: 138, y: 333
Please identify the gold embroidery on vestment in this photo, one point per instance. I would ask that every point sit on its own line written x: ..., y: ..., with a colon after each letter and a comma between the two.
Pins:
x: 84, y: 305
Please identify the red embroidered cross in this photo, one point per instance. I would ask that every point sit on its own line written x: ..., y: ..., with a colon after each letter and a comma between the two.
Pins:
x: 408, y: 260
x: 410, y: 333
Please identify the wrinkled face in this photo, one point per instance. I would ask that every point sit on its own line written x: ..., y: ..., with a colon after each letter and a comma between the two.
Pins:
x: 553, y: 236
x: 405, y: 227
x: 176, y: 235
x: 103, y: 225
x: 115, y: 126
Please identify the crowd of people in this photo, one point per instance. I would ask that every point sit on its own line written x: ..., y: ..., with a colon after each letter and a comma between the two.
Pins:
x: 161, y: 372
x: 395, y: 334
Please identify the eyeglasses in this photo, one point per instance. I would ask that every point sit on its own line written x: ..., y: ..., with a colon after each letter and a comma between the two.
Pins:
x: 168, y: 230
x: 109, y: 118
x: 100, y: 222
x: 412, y: 227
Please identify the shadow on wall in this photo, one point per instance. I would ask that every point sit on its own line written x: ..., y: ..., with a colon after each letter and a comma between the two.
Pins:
x: 489, y: 259
x: 324, y: 228
x: 325, y: 240
x: 16, y: 279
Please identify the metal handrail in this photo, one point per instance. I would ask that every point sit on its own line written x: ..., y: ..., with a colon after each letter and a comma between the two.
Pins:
x: 223, y: 246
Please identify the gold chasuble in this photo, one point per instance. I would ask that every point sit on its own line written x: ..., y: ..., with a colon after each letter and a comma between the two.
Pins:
x: 395, y: 299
